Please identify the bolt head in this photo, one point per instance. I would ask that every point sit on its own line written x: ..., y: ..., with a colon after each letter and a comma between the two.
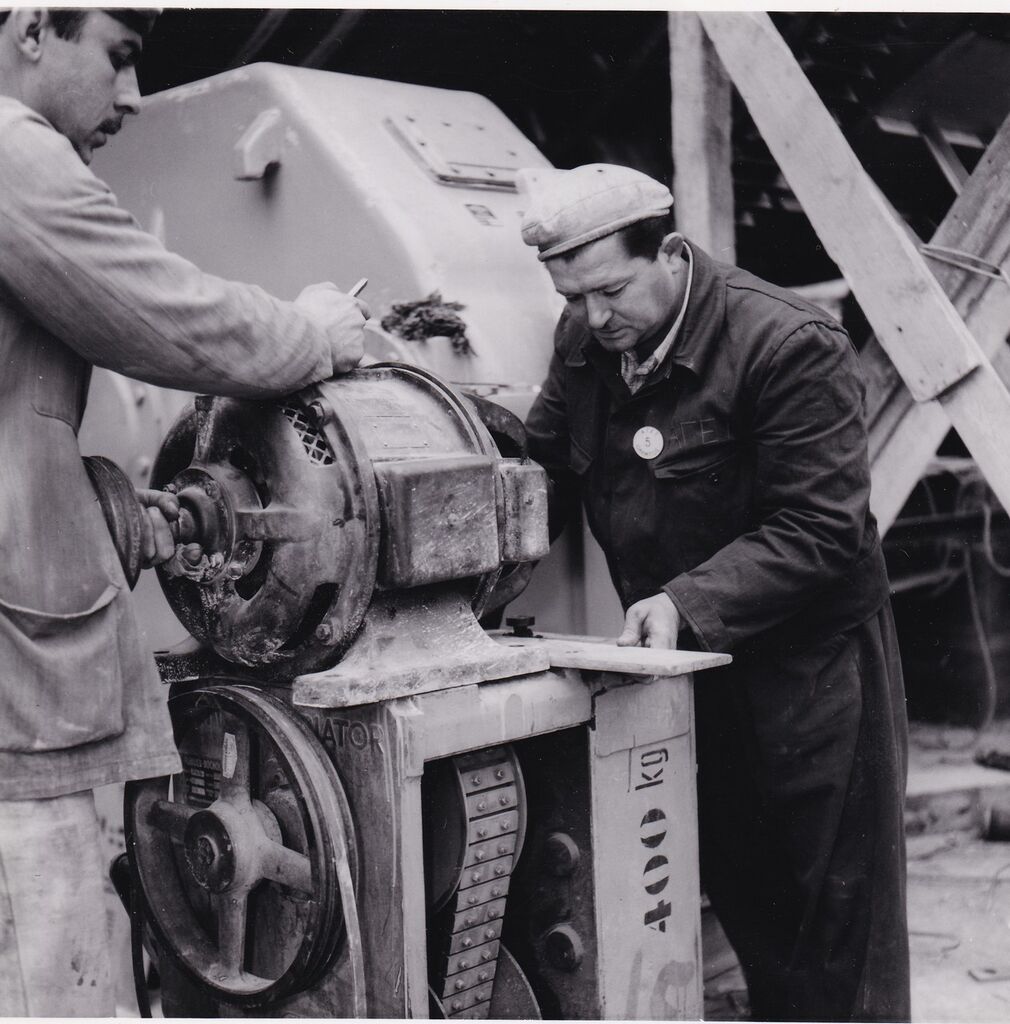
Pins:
x: 324, y: 632
x: 561, y: 854
x: 476, y: 780
x: 315, y: 413
x: 564, y: 947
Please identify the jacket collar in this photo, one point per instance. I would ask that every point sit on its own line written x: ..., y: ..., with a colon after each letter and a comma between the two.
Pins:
x: 697, y: 338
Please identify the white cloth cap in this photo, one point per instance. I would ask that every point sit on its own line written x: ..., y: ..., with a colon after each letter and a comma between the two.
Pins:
x: 566, y: 209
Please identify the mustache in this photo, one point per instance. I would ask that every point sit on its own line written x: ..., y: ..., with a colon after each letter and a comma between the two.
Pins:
x: 112, y: 126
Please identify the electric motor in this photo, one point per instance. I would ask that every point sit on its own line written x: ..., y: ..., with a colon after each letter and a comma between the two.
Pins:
x: 382, y: 479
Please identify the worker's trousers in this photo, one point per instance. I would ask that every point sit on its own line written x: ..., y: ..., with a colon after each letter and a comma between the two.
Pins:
x: 801, y: 774
x: 54, y: 936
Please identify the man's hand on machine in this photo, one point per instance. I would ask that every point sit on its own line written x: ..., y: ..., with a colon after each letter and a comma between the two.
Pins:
x: 157, y: 544
x: 343, y: 318
x: 653, y: 622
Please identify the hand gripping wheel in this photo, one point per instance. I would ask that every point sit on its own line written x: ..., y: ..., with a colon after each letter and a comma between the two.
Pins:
x: 246, y: 861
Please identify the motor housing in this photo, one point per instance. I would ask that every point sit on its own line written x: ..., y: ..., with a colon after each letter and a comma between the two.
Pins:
x: 383, y: 479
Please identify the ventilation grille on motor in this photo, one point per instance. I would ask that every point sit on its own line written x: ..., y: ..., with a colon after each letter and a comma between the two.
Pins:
x: 315, y: 444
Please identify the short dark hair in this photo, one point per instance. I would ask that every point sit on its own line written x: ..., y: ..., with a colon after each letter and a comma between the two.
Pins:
x: 644, y: 237
x: 69, y: 22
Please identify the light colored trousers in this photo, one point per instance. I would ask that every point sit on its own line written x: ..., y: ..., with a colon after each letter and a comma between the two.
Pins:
x: 54, y: 936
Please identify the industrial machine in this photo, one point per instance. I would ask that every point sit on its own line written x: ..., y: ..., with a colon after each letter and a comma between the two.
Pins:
x: 384, y: 809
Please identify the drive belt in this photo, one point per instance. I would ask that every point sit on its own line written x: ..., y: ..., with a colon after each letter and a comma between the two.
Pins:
x: 495, y: 807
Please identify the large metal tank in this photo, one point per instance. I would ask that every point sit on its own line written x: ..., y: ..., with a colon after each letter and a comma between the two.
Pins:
x: 284, y: 176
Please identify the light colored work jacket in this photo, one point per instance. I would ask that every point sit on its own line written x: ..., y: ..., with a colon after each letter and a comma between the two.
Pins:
x: 81, y: 284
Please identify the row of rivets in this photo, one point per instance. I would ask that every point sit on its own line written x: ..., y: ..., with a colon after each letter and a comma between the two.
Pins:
x: 490, y: 789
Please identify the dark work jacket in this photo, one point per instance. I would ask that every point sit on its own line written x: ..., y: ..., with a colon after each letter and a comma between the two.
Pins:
x: 754, y: 518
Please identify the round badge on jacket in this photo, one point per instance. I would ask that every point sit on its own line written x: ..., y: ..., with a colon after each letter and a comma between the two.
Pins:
x: 647, y: 442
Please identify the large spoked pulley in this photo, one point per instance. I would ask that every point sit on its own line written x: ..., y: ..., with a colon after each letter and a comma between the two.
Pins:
x: 246, y: 862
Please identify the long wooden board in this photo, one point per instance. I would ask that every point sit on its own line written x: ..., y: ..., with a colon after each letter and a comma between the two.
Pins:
x: 597, y: 655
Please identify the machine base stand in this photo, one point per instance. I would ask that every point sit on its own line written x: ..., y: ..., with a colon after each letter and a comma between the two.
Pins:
x: 415, y: 641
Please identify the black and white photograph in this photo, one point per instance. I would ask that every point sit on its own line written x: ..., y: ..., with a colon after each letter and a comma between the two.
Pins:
x: 503, y: 513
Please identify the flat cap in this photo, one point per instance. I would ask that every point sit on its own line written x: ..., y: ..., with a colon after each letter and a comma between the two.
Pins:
x: 566, y: 209
x: 140, y: 19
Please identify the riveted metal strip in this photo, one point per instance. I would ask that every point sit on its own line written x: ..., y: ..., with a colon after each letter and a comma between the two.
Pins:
x: 482, y: 936
x: 499, y: 825
x: 493, y: 797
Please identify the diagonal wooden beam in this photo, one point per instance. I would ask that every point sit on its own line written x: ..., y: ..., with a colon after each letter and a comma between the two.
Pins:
x: 903, y: 435
x: 914, y: 320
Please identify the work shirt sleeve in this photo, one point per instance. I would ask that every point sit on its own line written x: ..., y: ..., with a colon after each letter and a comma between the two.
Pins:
x: 811, y: 494
x: 83, y: 269
x: 549, y: 444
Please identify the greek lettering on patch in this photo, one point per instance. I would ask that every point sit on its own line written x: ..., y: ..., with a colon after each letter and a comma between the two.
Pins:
x: 697, y: 433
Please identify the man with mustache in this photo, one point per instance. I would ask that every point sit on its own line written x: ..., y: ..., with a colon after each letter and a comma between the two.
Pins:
x: 712, y: 425
x: 81, y: 704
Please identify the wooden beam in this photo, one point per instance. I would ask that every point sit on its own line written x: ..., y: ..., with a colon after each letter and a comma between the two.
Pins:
x: 702, y: 153
x: 943, y: 154
x: 915, y: 322
x: 904, y: 436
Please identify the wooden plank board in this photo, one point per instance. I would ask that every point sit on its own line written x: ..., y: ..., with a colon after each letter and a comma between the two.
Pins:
x: 597, y: 655
x: 702, y: 120
x: 922, y: 333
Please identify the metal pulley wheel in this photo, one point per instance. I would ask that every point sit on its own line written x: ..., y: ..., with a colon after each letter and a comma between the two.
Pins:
x: 288, y: 521
x: 246, y: 862
x: 123, y: 514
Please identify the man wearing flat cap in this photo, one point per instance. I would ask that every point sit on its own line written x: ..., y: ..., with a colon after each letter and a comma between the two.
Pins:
x: 81, y: 703
x: 712, y: 425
